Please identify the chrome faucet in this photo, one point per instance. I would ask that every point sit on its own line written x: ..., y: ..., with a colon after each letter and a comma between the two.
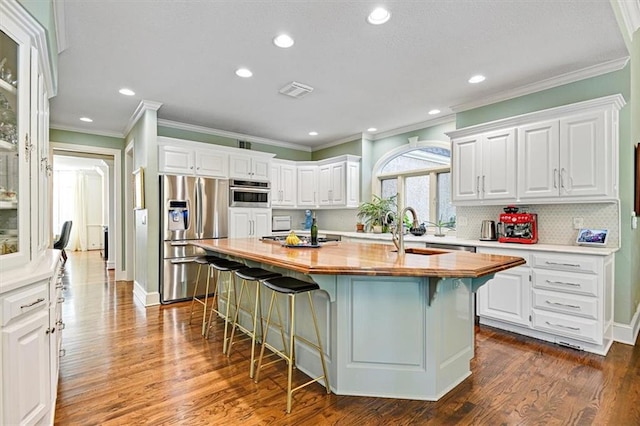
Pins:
x: 397, y: 234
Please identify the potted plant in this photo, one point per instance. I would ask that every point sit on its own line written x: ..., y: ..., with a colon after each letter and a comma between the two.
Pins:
x: 373, y: 213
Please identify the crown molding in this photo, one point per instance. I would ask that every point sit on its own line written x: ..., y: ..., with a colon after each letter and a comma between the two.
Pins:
x: 59, y: 17
x: 570, y: 77
x: 451, y: 118
x: 233, y: 135
x: 339, y: 141
x: 630, y: 11
x: 143, y: 107
x: 54, y: 126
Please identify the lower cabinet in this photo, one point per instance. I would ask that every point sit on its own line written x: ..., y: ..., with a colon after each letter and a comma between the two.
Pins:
x: 249, y: 222
x: 30, y: 331
x: 558, y: 297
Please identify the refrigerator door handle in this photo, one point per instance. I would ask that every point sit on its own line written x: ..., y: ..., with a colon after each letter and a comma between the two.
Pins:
x: 198, y: 199
x: 183, y: 260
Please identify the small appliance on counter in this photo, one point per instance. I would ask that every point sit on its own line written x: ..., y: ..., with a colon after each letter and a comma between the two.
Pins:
x: 488, y: 231
x: 281, y: 223
x: 515, y: 227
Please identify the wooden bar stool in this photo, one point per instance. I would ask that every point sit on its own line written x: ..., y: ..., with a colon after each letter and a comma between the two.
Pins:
x: 247, y: 276
x: 291, y: 287
x: 220, y: 266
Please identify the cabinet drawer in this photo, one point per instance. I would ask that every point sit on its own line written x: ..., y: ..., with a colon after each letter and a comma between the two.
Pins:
x: 584, y: 264
x: 23, y: 301
x: 566, y: 282
x: 565, y: 303
x: 578, y: 328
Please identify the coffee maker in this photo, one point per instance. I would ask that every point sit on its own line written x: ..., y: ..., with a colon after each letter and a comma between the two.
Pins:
x: 517, y: 227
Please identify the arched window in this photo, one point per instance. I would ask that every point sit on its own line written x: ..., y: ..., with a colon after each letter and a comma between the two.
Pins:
x: 420, y: 174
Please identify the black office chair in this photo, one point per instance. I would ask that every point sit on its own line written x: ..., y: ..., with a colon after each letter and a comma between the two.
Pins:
x: 63, y: 240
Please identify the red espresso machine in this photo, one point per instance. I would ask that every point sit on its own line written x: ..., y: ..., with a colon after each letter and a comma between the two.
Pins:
x: 517, y: 227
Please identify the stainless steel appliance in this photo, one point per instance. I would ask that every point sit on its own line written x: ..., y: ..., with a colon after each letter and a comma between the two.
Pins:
x: 249, y: 193
x: 488, y: 231
x: 192, y: 208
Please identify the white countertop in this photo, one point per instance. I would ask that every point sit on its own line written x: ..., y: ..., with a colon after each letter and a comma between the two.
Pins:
x: 605, y: 251
x: 40, y: 269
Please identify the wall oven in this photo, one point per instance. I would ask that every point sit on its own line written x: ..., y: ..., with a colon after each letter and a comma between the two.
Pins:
x: 249, y: 193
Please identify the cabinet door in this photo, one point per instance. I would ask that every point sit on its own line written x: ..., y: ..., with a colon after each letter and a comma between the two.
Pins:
x: 307, y: 186
x: 239, y: 222
x: 276, y: 185
x: 211, y: 163
x: 585, y: 155
x: 176, y: 160
x: 25, y: 369
x: 353, y: 184
x: 338, y: 184
x: 465, y: 170
x: 538, y: 160
x: 261, y: 223
x: 260, y: 168
x: 324, y: 185
x: 506, y: 297
x: 240, y: 166
x: 288, y: 185
x: 498, y: 179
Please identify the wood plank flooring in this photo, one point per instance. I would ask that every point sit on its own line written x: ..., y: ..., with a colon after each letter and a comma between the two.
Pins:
x: 127, y: 364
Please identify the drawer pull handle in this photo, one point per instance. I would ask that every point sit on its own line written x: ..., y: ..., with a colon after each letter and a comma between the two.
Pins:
x: 564, y: 305
x: 39, y: 300
x: 563, y: 326
x: 573, y: 265
x: 62, y: 352
x: 60, y: 299
x: 563, y: 283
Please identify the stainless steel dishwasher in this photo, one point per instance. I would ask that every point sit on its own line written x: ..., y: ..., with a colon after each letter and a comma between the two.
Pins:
x: 451, y: 247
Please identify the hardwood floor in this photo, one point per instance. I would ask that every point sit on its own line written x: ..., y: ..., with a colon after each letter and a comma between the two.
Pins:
x: 127, y: 364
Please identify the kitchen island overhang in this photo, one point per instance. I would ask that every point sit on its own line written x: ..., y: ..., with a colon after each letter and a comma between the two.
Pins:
x: 392, y: 325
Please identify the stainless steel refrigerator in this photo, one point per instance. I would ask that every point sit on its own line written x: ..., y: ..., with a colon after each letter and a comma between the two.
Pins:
x: 192, y: 208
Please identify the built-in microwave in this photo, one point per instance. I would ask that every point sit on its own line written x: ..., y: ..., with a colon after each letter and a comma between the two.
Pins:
x: 249, y: 193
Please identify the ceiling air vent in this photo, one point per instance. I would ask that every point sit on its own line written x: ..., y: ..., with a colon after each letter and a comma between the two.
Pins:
x: 296, y: 90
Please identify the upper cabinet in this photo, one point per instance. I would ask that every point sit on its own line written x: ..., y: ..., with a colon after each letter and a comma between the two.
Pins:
x: 339, y: 182
x: 250, y: 166
x: 181, y: 160
x: 561, y: 155
x: 307, y: 185
x: 489, y: 166
x: 283, y: 183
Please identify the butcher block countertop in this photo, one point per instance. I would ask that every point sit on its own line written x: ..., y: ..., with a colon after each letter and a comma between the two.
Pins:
x: 345, y: 258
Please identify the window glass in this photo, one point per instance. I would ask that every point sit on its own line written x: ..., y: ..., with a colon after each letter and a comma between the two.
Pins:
x: 417, y: 159
x: 417, y: 195
x: 389, y: 187
x: 446, y: 211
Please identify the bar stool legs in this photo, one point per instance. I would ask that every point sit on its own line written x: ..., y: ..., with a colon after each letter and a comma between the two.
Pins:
x: 291, y: 287
x: 201, y: 262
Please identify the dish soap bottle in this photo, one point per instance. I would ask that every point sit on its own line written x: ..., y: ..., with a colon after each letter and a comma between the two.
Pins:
x: 314, y: 232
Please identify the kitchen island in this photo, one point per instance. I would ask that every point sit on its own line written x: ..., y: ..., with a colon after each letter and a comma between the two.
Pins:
x: 392, y: 325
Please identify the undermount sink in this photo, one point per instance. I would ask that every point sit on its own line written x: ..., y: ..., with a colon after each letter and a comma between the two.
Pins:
x: 424, y: 251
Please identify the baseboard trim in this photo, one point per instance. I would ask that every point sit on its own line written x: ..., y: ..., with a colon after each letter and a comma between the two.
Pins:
x: 111, y: 264
x: 627, y: 333
x: 147, y: 299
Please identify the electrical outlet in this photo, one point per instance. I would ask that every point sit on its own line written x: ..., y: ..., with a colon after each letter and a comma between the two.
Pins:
x: 578, y: 223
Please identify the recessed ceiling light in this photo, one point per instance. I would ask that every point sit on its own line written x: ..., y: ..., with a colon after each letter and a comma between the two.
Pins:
x: 477, y: 79
x: 378, y: 16
x: 283, y: 40
x: 313, y: 133
x: 243, y: 72
x: 434, y: 112
x: 372, y: 129
x: 86, y: 119
x: 126, y: 92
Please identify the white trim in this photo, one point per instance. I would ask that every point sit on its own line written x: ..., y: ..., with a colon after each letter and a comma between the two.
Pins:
x: 357, y: 136
x: 451, y: 118
x: 87, y: 131
x: 117, y: 193
x: 142, y: 107
x: 627, y: 333
x: 570, y: 77
x: 630, y: 11
x: 232, y: 135
x: 147, y: 299
x: 59, y: 17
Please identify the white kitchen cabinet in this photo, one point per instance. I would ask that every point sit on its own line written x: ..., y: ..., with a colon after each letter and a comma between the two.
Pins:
x: 181, y: 160
x: 557, y: 297
x: 307, y: 186
x: 249, y: 222
x: 283, y: 183
x: 570, y: 157
x: 484, y: 167
x: 245, y: 166
x: 506, y: 297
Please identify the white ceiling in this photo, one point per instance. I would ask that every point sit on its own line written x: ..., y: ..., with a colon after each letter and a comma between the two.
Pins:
x: 183, y: 54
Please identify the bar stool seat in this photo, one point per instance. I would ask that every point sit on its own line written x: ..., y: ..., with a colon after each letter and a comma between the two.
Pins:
x: 220, y: 266
x: 247, y: 275
x: 291, y: 287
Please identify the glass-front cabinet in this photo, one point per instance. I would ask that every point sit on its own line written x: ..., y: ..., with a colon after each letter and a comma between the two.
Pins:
x: 15, y: 144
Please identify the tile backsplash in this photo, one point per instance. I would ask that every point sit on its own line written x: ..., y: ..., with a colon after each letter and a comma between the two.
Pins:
x: 555, y: 221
